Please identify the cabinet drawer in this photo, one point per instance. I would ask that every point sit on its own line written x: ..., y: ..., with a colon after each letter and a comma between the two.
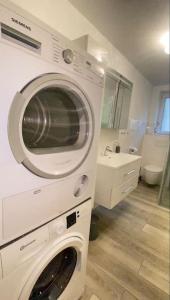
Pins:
x: 129, y: 186
x: 129, y: 171
x: 122, y: 191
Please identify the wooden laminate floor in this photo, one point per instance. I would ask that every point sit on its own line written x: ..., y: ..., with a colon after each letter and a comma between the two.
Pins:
x: 130, y: 258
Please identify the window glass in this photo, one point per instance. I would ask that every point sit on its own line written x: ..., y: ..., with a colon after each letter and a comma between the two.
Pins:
x: 56, y: 276
x: 54, y: 118
x: 163, y: 121
x: 165, y: 124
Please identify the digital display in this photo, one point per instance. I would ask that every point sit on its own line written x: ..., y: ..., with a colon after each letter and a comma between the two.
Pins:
x: 71, y: 220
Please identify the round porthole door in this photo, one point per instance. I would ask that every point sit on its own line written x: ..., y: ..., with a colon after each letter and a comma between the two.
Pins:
x: 56, y: 276
x: 51, y: 126
x: 58, y: 273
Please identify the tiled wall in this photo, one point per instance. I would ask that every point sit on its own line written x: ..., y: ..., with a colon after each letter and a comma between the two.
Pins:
x: 107, y: 136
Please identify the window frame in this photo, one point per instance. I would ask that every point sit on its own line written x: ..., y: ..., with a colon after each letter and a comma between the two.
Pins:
x: 163, y: 96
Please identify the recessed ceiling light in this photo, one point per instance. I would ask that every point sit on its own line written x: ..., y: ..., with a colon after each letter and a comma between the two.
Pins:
x: 165, y: 42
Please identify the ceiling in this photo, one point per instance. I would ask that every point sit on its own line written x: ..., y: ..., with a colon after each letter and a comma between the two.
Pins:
x: 134, y: 27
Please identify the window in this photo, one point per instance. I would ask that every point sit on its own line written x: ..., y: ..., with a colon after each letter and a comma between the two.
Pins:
x: 163, y: 122
x: 165, y: 125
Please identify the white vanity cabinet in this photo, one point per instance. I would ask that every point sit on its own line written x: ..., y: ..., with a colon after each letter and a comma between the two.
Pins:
x: 117, y: 176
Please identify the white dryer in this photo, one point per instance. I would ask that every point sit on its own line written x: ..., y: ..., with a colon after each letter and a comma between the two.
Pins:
x: 50, y: 98
x: 50, y: 262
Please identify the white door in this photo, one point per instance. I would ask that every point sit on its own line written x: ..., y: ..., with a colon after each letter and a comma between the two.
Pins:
x: 51, y: 126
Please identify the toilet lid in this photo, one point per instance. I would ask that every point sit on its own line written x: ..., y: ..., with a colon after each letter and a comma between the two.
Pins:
x: 153, y: 168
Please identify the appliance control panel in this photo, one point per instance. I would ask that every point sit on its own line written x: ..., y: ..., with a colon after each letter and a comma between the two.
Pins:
x: 71, y: 220
x: 81, y: 63
x: 63, y: 223
x: 29, y: 34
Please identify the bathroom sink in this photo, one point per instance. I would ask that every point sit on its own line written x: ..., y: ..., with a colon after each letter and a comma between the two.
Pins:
x: 117, y: 160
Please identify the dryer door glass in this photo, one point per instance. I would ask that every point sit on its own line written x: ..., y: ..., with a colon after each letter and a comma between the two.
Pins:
x: 51, y: 126
x: 55, y: 120
x: 56, y: 276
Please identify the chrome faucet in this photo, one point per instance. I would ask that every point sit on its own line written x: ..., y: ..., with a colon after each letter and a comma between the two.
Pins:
x: 107, y: 149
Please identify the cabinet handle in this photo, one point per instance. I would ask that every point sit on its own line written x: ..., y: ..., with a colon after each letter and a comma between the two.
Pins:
x: 130, y: 172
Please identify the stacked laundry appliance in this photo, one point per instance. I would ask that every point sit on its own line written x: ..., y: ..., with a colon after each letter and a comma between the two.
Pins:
x: 50, y: 96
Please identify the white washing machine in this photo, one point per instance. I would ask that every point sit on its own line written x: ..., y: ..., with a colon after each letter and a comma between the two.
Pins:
x: 50, y: 262
x: 50, y: 98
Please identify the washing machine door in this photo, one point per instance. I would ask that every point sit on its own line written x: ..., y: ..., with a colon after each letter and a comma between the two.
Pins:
x: 58, y: 275
x: 51, y: 126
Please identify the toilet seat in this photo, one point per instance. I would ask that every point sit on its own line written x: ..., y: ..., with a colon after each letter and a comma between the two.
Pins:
x: 153, y: 169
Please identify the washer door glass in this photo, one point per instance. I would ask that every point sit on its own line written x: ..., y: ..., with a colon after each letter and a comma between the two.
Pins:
x: 52, y: 119
x: 56, y: 276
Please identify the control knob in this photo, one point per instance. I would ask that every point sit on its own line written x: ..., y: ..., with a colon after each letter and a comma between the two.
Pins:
x: 68, y: 56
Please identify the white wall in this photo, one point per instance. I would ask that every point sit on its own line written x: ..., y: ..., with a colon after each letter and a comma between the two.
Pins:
x: 62, y: 16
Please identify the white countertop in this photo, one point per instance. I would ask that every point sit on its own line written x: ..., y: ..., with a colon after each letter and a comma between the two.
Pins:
x: 117, y: 160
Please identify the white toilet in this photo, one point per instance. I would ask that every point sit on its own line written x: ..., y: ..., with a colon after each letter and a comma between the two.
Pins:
x: 152, y: 174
